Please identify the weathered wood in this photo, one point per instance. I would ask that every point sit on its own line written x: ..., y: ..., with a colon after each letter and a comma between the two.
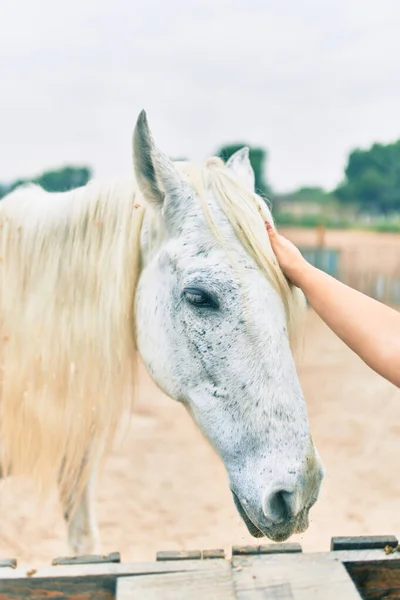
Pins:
x: 387, y: 594
x: 8, y: 562
x: 266, y: 575
x: 89, y: 559
x: 89, y: 581
x: 80, y: 588
x: 349, y: 556
x: 280, y: 549
x: 191, y: 585
x: 266, y: 549
x: 291, y: 577
x: 363, y: 542
x: 217, y: 553
x: 376, y: 580
x: 126, y: 569
x: 112, y: 569
x: 183, y: 555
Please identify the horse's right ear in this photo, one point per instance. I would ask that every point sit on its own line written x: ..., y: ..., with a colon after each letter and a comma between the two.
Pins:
x: 156, y: 174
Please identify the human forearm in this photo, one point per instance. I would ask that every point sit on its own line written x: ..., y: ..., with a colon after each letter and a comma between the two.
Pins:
x: 369, y: 328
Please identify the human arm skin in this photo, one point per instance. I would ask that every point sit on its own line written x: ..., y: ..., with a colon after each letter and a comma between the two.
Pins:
x: 371, y: 329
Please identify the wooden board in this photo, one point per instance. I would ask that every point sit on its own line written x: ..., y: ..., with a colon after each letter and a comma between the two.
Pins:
x: 8, y: 562
x: 210, y: 584
x: 379, y: 580
x: 98, y: 581
x: 213, y: 554
x: 183, y: 555
x: 77, y: 588
x: 254, y: 573
x: 266, y: 549
x: 90, y: 559
x: 363, y: 542
x: 110, y: 569
x: 291, y: 577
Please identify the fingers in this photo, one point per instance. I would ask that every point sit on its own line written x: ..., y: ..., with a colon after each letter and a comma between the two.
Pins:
x: 272, y: 233
x: 269, y: 227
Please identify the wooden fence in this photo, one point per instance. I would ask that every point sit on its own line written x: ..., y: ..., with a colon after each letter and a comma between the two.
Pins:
x: 375, y: 273
x: 355, y: 568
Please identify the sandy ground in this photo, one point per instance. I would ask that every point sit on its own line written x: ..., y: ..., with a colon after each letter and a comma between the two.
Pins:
x: 164, y: 488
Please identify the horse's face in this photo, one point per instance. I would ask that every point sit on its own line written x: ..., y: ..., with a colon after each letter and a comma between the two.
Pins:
x: 219, y: 345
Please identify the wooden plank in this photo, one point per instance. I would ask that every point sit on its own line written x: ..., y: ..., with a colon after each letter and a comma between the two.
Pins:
x: 217, y: 553
x: 363, y: 542
x: 244, y: 550
x: 266, y: 549
x: 126, y: 569
x: 183, y: 555
x: 280, y: 549
x: 376, y: 580
x: 291, y: 577
x: 8, y: 562
x: 85, y: 588
x: 282, y: 576
x: 348, y: 556
x: 88, y: 581
x: 89, y: 559
x: 191, y: 585
x: 387, y: 594
x: 111, y: 569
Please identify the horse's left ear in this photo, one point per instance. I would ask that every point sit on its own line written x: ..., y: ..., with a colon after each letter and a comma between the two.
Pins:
x: 156, y: 175
x: 240, y: 165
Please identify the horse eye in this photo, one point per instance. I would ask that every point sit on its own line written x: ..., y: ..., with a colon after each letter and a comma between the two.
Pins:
x: 197, y: 297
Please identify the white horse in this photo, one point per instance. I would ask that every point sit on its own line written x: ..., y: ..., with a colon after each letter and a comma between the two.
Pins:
x: 173, y: 264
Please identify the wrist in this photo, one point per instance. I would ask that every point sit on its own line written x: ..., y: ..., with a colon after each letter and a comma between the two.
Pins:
x: 304, y: 272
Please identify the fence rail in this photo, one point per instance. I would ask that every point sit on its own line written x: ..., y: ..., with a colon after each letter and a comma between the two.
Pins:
x: 355, y: 568
x: 375, y: 273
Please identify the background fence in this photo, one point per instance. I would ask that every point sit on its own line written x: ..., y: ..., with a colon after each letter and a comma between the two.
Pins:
x: 374, y: 272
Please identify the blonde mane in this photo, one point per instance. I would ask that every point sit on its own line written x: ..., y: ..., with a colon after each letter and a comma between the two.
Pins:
x: 69, y: 270
x: 69, y: 267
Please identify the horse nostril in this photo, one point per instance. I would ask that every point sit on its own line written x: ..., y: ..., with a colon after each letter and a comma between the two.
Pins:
x: 280, y: 506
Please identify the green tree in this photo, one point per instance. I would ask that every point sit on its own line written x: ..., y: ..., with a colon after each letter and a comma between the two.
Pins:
x: 372, y: 178
x: 59, y: 180
x: 64, y: 179
x: 258, y: 157
x: 3, y: 190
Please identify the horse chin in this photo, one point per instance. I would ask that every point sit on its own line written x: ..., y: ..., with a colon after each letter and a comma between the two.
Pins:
x: 253, y: 530
x: 279, y: 533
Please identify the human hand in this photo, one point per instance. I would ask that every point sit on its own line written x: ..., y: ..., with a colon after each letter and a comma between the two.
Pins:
x: 290, y: 259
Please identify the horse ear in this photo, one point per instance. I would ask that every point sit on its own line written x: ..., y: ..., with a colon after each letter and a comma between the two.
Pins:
x: 156, y: 174
x: 240, y: 165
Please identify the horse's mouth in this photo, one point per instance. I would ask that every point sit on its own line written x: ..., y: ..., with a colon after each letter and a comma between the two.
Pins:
x: 279, y: 533
x: 255, y: 532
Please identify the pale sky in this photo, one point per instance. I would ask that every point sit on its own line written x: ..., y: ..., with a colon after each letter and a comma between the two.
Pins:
x: 307, y: 79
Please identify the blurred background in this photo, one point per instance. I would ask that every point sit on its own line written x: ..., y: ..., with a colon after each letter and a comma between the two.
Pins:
x: 314, y: 89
